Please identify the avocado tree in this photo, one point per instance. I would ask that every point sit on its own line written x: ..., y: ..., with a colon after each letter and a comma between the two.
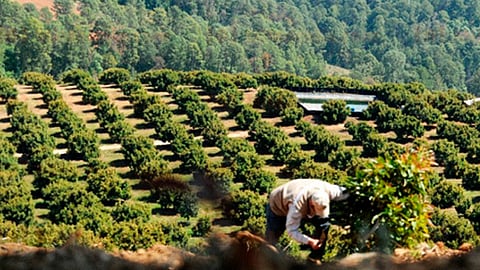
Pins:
x: 390, y: 195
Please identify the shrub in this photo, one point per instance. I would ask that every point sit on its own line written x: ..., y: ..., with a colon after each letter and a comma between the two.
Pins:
x: 390, y: 193
x: 134, y: 235
x: 16, y: 203
x: 172, y: 193
x: 243, y: 205
x: 74, y: 76
x: 114, y: 75
x: 107, y: 185
x: 344, y: 158
x: 219, y: 180
x: 255, y: 225
x: 474, y: 216
x: 446, y: 194
x: 334, y: 111
x: 452, y: 229
x: 130, y: 87
x: 291, y: 115
x: 7, y: 89
x: 202, y: 227
x: 444, y: 149
x: 54, y: 169
x: 259, y: 181
x: 72, y: 204
x: 471, y: 178
x: 247, y: 117
x: 129, y: 211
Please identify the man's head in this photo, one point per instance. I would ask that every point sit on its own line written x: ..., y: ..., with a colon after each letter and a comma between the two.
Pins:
x: 320, y: 203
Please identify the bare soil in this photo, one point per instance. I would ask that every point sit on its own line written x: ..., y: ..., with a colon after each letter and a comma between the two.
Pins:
x: 240, y: 250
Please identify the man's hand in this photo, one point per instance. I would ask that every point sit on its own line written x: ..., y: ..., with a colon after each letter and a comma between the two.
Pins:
x: 315, y: 243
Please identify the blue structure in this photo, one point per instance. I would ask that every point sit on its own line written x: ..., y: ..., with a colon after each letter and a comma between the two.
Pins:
x: 312, y: 102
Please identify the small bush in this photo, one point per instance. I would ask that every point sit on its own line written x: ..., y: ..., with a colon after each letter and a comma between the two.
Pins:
x: 202, y: 227
x: 446, y: 194
x: 452, y: 229
x: 473, y: 214
x: 114, y: 75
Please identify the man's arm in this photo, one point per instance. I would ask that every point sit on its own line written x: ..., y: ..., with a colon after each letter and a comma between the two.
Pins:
x: 294, y: 219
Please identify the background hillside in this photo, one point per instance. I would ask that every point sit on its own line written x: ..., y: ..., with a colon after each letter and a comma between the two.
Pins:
x: 395, y: 41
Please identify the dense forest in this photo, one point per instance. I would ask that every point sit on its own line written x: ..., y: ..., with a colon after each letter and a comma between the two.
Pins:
x: 434, y: 42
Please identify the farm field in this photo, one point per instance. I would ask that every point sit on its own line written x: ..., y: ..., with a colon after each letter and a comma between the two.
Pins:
x: 111, y: 152
x: 316, y: 141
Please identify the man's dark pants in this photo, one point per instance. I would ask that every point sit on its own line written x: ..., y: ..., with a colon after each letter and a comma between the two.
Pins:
x: 276, y: 227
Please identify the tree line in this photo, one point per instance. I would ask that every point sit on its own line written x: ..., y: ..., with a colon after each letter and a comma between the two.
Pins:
x: 392, y: 41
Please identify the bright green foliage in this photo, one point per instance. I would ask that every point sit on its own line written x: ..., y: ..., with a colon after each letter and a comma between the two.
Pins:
x: 7, y: 89
x: 387, y: 119
x: 92, y: 94
x: 16, y: 203
x: 244, y: 162
x: 295, y: 161
x: 462, y: 135
x: 344, y: 159
x: 114, y: 75
x: 373, y: 145
x: 50, y: 235
x: 446, y: 194
x: 230, y: 148
x: 7, y: 159
x: 141, y: 101
x: 54, y: 169
x: 131, y: 210
x: 213, y: 132
x: 247, y: 117
x: 71, y: 203
x: 104, y: 182
x: 291, y: 115
x: 160, y: 79
x: 373, y: 109
x: 274, y: 100
x: 444, y: 149
x: 74, y: 76
x: 84, y: 144
x: 408, y: 126
x: 283, y: 149
x: 266, y: 137
x: 452, y: 229
x: 133, y: 235
x: 259, y: 181
x: 334, y: 111
x: 422, y: 110
x: 311, y: 169
x: 108, y: 113
x: 130, y: 87
x: 321, y: 140
x: 359, y: 131
x: 142, y: 157
x: 230, y: 98
x: 390, y: 194
x: 244, y: 205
